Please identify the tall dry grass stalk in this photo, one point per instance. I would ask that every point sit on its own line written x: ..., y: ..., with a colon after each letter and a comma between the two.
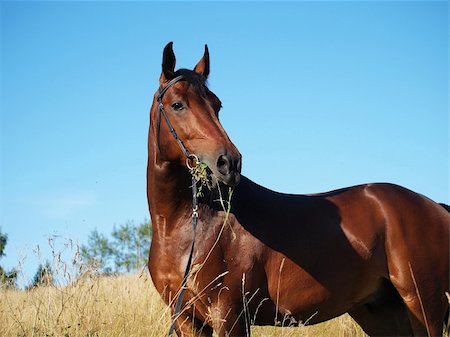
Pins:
x: 102, y: 306
x: 84, y: 304
x: 114, y: 306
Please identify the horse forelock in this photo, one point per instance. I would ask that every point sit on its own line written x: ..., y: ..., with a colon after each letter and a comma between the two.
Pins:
x: 200, y: 85
x: 197, y: 81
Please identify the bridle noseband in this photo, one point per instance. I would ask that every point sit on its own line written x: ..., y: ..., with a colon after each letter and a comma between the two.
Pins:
x: 189, y: 157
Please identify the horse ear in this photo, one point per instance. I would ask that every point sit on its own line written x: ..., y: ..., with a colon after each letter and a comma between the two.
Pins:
x: 202, y: 66
x: 168, y: 64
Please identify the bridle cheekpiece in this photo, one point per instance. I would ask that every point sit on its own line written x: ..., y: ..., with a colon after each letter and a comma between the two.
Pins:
x: 189, y: 157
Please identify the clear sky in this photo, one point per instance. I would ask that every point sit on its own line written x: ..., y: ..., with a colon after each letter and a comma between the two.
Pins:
x: 316, y: 96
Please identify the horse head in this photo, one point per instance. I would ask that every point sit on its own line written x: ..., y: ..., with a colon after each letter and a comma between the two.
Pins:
x: 185, y: 119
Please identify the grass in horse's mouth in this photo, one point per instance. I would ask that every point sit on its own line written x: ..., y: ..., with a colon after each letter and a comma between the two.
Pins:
x: 204, y: 177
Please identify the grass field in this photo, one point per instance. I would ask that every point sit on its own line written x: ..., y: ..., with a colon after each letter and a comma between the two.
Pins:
x: 115, y: 306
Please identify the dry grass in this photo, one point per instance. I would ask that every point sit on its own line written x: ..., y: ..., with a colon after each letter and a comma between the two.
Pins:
x: 104, y: 306
x: 114, y: 306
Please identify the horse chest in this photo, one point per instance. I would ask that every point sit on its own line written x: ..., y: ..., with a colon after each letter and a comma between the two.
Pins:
x: 167, y: 262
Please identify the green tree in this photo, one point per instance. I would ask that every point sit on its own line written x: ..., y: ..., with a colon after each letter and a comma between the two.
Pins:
x: 43, y: 276
x: 98, y: 252
x: 7, y: 278
x: 126, y: 251
x: 3, y: 241
x: 131, y: 245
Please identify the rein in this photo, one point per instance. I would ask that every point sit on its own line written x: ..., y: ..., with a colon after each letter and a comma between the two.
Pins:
x: 189, y: 157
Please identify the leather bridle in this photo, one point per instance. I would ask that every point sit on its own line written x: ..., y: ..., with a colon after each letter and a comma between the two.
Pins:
x: 189, y: 157
x: 161, y: 111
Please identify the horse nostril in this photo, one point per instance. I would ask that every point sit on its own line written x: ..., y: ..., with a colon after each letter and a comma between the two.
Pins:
x: 227, y: 164
x: 223, y: 165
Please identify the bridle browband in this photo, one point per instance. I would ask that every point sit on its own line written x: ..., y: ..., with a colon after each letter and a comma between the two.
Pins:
x: 189, y: 157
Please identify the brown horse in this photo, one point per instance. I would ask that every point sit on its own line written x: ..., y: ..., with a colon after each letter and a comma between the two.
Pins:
x: 377, y: 251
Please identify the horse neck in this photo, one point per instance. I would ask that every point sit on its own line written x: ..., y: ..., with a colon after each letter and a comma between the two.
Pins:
x: 168, y: 189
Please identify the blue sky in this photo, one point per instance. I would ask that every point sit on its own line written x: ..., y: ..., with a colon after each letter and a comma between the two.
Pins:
x: 316, y: 95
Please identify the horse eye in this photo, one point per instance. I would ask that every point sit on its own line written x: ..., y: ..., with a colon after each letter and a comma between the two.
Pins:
x: 177, y: 106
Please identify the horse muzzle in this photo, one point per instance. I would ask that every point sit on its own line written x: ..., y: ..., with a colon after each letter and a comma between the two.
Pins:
x: 228, y: 167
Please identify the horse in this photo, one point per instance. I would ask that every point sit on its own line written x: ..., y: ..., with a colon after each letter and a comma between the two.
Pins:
x: 376, y: 251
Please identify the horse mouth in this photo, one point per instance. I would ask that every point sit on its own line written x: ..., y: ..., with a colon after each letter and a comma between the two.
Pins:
x: 215, y: 178
x: 232, y: 179
x: 211, y: 178
x: 225, y: 169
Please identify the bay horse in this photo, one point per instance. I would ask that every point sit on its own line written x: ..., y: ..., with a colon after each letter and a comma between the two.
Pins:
x: 379, y: 252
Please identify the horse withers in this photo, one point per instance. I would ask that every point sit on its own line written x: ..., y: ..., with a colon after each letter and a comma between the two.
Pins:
x: 377, y: 251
